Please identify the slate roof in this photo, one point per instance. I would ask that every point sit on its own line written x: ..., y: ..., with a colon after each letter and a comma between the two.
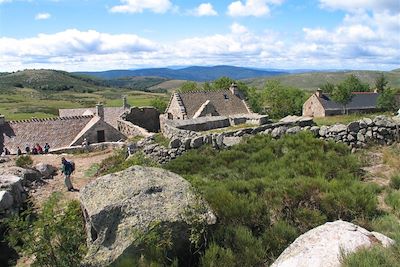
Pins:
x: 359, y: 101
x: 111, y: 114
x: 224, y: 102
x: 58, y: 132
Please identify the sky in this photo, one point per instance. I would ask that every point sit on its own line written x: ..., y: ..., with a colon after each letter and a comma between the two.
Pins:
x: 95, y: 35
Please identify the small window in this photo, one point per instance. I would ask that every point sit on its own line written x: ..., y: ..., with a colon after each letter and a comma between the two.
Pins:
x: 226, y: 97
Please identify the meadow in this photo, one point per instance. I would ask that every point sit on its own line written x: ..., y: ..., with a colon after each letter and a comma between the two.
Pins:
x: 26, y: 103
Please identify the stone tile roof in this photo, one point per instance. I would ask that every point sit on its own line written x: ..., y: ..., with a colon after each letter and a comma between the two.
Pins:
x: 359, y: 101
x: 111, y: 114
x: 224, y: 101
x: 58, y: 132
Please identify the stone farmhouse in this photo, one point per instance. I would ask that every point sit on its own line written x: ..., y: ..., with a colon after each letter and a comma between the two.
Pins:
x: 191, y: 105
x: 321, y: 105
x: 59, y: 132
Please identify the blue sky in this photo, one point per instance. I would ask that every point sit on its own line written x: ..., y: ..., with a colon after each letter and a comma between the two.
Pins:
x: 120, y: 34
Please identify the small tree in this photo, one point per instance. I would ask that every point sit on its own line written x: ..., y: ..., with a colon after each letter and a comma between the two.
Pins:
x: 159, y: 103
x: 380, y: 83
x: 188, y: 87
x: 342, y: 94
x: 354, y: 84
x: 387, y: 100
x: 328, y: 87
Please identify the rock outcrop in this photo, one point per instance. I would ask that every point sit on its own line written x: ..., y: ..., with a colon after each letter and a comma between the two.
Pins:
x: 47, y: 170
x: 120, y: 207
x: 12, y: 193
x: 324, y: 245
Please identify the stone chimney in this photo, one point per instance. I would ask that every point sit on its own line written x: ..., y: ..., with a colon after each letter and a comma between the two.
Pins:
x: 2, y: 120
x: 234, y: 90
x: 318, y: 93
x: 125, y: 102
x: 100, y: 110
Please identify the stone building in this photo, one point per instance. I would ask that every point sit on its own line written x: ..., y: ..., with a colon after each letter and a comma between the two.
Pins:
x: 111, y: 114
x: 59, y: 132
x: 191, y: 105
x: 321, y: 105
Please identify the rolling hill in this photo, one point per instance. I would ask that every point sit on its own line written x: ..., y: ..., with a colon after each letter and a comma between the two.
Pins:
x: 313, y: 80
x: 194, y: 73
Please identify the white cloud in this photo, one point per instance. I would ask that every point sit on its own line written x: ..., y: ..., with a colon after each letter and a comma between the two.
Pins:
x: 255, y: 8
x: 237, y: 28
x: 354, y: 5
x: 138, y: 6
x: 42, y: 16
x: 204, y: 9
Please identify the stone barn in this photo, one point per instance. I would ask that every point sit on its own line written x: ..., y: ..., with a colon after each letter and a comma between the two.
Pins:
x: 59, y: 132
x: 191, y: 105
x: 321, y: 104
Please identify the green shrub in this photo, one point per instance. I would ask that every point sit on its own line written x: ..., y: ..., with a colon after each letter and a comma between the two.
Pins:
x: 24, y: 161
x: 53, y: 237
x: 160, y: 139
x: 395, y: 182
x: 216, y: 256
x: 374, y: 257
x: 393, y: 200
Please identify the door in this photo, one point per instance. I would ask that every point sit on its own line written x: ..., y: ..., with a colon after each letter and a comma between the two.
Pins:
x: 101, y: 136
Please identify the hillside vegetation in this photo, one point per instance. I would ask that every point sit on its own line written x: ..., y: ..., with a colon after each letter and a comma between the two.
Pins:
x: 314, y: 80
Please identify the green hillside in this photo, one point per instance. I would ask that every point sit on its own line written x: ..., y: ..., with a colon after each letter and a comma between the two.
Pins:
x: 313, y: 80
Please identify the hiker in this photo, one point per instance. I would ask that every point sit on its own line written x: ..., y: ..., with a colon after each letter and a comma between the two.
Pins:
x: 34, y: 150
x: 27, y: 150
x: 39, y: 149
x: 6, y: 152
x: 67, y: 169
x: 46, y: 148
x: 19, y: 152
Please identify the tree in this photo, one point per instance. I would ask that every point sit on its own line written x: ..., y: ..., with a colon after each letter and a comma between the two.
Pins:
x: 223, y: 83
x: 387, y: 100
x: 380, y: 83
x: 354, y: 84
x: 328, y: 87
x: 188, y: 87
x: 159, y: 103
x: 282, y: 100
x: 342, y: 94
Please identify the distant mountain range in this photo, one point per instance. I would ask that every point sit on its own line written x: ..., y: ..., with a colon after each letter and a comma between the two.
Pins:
x: 195, y: 73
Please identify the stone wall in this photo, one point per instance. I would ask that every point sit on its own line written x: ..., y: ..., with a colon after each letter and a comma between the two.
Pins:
x: 129, y: 129
x: 144, y: 117
x: 359, y: 134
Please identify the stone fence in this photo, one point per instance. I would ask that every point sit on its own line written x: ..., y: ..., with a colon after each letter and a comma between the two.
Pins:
x: 359, y: 134
x: 127, y: 128
x: 90, y: 148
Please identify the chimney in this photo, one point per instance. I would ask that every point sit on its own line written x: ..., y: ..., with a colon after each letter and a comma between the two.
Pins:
x: 100, y: 110
x: 2, y: 120
x: 125, y: 102
x: 318, y: 93
x: 234, y: 90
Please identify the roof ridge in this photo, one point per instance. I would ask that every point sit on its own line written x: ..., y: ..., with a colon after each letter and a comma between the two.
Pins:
x: 50, y: 119
x: 202, y: 91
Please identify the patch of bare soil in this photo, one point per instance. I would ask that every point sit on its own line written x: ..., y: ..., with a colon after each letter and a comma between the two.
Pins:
x: 83, y: 162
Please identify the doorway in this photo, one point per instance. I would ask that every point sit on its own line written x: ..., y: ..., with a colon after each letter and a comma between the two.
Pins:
x: 101, y: 136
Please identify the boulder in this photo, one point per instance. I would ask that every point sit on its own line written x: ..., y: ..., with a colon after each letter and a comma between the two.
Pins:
x: 323, y: 130
x: 6, y: 200
x: 278, y: 131
x: 196, y: 142
x: 47, y: 170
x: 315, y: 130
x: 383, y: 121
x: 293, y: 130
x: 337, y: 128
x: 175, y: 143
x: 323, y: 245
x: 121, y: 207
x: 231, y: 141
x: 13, y: 185
x: 28, y: 176
x: 353, y: 126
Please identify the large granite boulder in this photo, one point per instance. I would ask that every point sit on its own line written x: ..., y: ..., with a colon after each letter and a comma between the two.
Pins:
x: 47, y: 170
x: 28, y: 176
x: 121, y: 207
x: 323, y: 246
x: 13, y: 193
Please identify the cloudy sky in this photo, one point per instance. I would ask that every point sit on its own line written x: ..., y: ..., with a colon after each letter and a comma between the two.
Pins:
x: 77, y: 35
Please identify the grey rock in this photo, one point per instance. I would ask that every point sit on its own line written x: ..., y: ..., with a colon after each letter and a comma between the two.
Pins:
x: 323, y: 246
x: 298, y: 120
x: 196, y: 142
x: 315, y: 130
x: 353, y: 126
x: 293, y: 130
x: 279, y: 131
x: 121, y: 207
x: 337, y: 128
x: 208, y: 139
x: 13, y: 184
x: 351, y: 138
x: 368, y: 122
x: 323, y: 130
x: 360, y: 137
x: 231, y: 141
x: 175, y: 143
x: 6, y: 200
x: 187, y: 142
x: 47, y: 170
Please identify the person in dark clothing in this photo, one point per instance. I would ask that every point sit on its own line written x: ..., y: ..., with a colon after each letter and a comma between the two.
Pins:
x: 19, y: 152
x: 39, y: 149
x: 27, y: 150
x: 34, y: 150
x: 67, y: 169
x: 46, y: 148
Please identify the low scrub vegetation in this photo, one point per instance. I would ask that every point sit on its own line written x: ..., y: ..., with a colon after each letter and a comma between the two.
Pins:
x: 266, y: 192
x: 24, y: 161
x: 55, y: 236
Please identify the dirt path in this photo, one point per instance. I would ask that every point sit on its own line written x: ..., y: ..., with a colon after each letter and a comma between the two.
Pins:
x: 81, y: 176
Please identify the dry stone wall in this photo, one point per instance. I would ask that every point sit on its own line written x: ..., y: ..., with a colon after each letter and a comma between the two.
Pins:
x: 359, y: 134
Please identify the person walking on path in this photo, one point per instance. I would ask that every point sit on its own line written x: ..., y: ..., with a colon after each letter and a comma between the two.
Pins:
x: 67, y: 170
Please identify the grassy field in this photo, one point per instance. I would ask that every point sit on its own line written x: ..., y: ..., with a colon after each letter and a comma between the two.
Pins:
x: 25, y: 103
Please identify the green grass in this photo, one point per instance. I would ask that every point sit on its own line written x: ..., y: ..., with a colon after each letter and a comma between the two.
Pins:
x: 345, y: 119
x: 161, y: 140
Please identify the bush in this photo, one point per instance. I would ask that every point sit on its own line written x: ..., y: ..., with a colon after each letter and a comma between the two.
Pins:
x: 24, y: 161
x: 395, y: 182
x: 53, y: 237
x: 373, y: 257
x: 393, y: 200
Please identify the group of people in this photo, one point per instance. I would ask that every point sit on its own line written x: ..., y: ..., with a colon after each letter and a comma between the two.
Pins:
x: 35, y: 149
